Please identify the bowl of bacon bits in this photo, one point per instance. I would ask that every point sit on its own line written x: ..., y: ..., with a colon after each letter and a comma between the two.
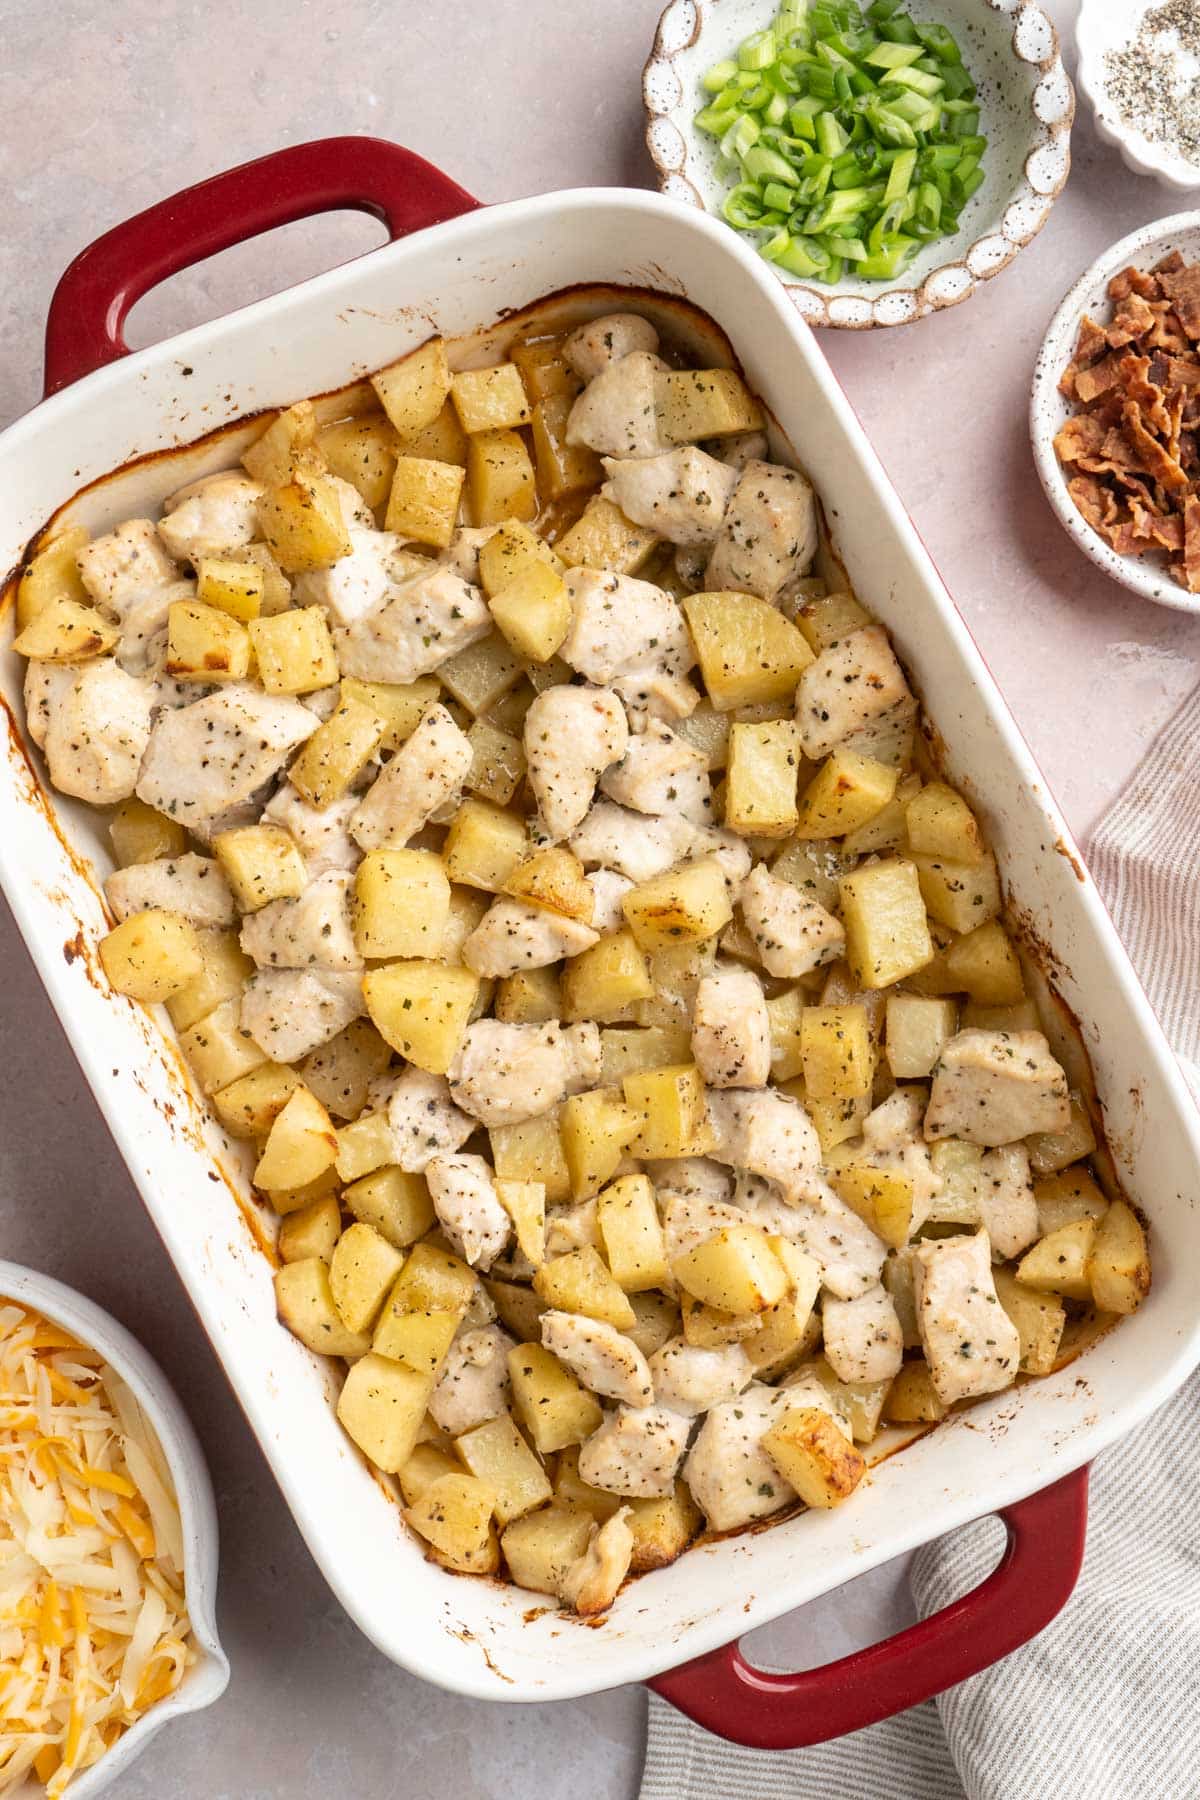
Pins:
x: 108, y: 1547
x: 1115, y: 413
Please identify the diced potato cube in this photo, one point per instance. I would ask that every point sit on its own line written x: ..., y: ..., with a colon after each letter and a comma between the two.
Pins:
x: 511, y: 551
x: 1060, y: 1263
x: 432, y: 1280
x: 363, y: 1269
x: 541, y: 1547
x: 601, y: 983
x: 603, y: 538
x: 662, y: 1529
x: 735, y: 1270
x: 859, y: 1403
x: 760, y: 790
x: 365, y: 1145
x: 630, y: 1049
x: 500, y: 481
x: 382, y: 1407
x: 66, y: 631
x: 362, y: 452
x: 442, y: 440
x: 1053, y: 1150
x: 230, y: 586
x: 596, y: 1129
x: 570, y: 1489
x: 490, y: 399
x: 960, y: 895
x: 484, y: 845
x: 634, y: 1244
x: 249, y: 1106
x: 815, y: 1456
x: 917, y: 1031
x: 261, y: 864
x: 303, y: 524
x: 151, y: 955
x: 52, y: 574
x: 525, y: 1204
x: 293, y: 1199
x: 498, y: 1455
x: 683, y: 906
x: 814, y: 866
x: 703, y: 403
x: 882, y: 1198
x: 887, y: 933
x: 959, y: 1168
x: 707, y: 730
x: 847, y: 791
x: 312, y: 1231
x: 983, y: 964
x: 553, y: 878
x: 531, y: 997
x: 836, y: 1052
x: 710, y: 1327
x: 277, y: 589
x: 785, y: 1012
x: 141, y: 834
x: 659, y: 1319
x: 827, y: 617
x: 482, y: 674
x: 422, y: 1009
x: 532, y: 1151
x: 337, y: 752
x: 517, y: 1307
x: 748, y: 651
x: 420, y: 1339
x: 225, y: 967
x: 497, y: 763
x: 1119, y: 1265
x: 912, y: 1398
x: 304, y: 1303
x: 789, y: 1329
x: 395, y: 1202
x: 670, y: 1105
x: 425, y: 1466
x: 217, y: 1047
x: 423, y: 504
x: 941, y: 824
x: 562, y: 468
x: 1039, y: 1319
x: 834, y: 1121
x: 294, y: 651
x: 533, y: 612
x: 413, y: 390
x: 548, y: 1401
x: 300, y: 1146
x: 1023, y: 1016
x: 579, y: 1282
x: 340, y: 1071
x: 401, y: 705
x: 1071, y: 1194
x: 272, y: 457
x: 401, y: 903
x: 544, y: 369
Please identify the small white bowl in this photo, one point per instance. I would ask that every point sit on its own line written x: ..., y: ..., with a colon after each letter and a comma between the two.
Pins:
x: 1026, y: 106
x: 1049, y: 410
x: 1105, y: 25
x: 208, y: 1677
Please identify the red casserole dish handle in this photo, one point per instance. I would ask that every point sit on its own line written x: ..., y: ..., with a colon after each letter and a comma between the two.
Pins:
x: 363, y: 174
x: 1031, y: 1583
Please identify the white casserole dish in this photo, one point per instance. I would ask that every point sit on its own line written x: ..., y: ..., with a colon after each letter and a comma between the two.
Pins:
x: 474, y: 1636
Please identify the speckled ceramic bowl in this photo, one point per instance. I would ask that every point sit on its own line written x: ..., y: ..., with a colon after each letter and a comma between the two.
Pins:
x: 1103, y: 26
x: 1026, y: 102
x: 1048, y: 410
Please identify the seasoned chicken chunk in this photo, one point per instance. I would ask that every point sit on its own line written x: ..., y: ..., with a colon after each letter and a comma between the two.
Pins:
x: 513, y: 936
x: 731, y: 1030
x: 572, y: 734
x: 422, y: 622
x: 769, y: 536
x: 426, y: 772
x: 472, y: 1383
x: 320, y: 833
x: 731, y: 852
x: 732, y: 1478
x: 691, y: 1219
x: 696, y: 1177
x: 767, y: 1133
x: 593, y: 1580
x: 218, y: 752
x: 45, y: 684
x: 689, y: 1380
x: 792, y: 933
x: 630, y: 635
x: 289, y: 1012
x: 215, y: 516
x: 970, y: 1343
x: 95, y: 726
x: 863, y: 1339
x: 636, y: 1452
x: 463, y: 1191
x: 855, y: 680
x: 424, y: 1120
x: 506, y: 1073
x: 593, y: 347
x: 124, y: 564
x: 572, y: 1228
x: 743, y: 448
x: 847, y: 1252
x: 1007, y: 1209
x: 659, y: 773
x: 312, y: 931
x: 634, y: 844
x: 681, y: 495
x: 608, y: 891
x: 617, y: 414
x: 599, y: 1355
x: 992, y: 1087
x: 892, y: 1140
x: 192, y: 885
x: 355, y: 584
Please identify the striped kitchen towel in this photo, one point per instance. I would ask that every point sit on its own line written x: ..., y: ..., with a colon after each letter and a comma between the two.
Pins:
x: 1102, y: 1705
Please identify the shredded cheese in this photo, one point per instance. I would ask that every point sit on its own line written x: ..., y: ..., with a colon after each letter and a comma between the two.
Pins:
x: 93, y: 1620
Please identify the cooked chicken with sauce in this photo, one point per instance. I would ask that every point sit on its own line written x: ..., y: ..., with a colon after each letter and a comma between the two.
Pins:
x: 541, y: 865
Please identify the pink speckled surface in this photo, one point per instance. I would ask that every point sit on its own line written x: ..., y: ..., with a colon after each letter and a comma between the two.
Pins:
x: 148, y: 95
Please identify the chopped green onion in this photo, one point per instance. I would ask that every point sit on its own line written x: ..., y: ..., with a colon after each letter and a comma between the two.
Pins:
x: 900, y: 176
x: 718, y: 77
x: 892, y: 56
x: 938, y: 40
x: 758, y: 52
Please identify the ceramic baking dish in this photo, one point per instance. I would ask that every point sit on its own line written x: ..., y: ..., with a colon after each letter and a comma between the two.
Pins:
x: 1024, y: 1451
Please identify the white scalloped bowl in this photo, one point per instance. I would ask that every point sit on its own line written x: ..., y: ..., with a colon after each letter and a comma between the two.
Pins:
x: 208, y: 1676
x: 1026, y: 105
x: 1105, y: 25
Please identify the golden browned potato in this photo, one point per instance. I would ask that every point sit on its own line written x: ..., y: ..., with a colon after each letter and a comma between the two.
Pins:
x: 815, y: 1455
x: 748, y: 651
x: 151, y: 955
x: 422, y: 1009
x: 413, y: 390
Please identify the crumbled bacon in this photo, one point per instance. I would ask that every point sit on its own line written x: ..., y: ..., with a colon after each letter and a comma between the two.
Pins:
x: 1183, y: 291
